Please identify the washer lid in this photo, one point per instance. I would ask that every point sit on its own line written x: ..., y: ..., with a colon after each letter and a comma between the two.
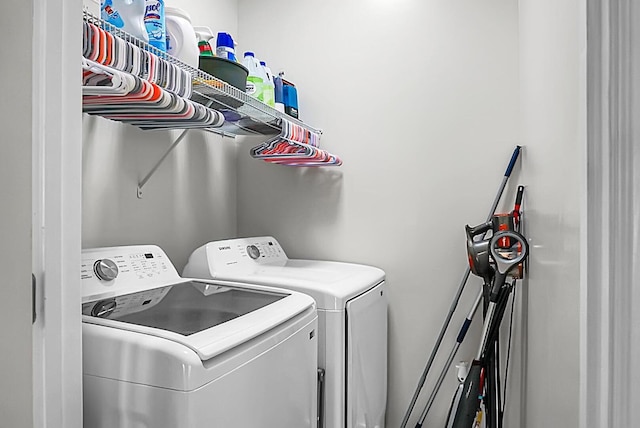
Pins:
x: 210, y: 318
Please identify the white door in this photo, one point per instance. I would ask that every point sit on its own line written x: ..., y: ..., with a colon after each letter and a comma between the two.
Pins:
x: 367, y: 359
x: 40, y: 170
x: 56, y: 189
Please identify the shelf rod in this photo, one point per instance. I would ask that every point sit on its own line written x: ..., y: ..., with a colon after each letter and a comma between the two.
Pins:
x: 157, y: 165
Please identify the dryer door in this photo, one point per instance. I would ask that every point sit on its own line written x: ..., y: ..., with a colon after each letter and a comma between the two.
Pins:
x: 367, y: 359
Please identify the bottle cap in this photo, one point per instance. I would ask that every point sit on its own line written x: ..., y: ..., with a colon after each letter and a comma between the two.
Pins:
x: 174, y: 11
x: 232, y: 44
x: 262, y: 63
x: 246, y: 54
x: 224, y: 40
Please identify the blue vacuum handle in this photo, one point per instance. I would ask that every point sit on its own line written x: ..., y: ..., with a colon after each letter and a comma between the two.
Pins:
x: 512, y: 162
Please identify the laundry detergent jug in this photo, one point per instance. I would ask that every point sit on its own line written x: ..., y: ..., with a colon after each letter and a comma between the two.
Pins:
x: 255, y: 81
x: 127, y: 15
x: 181, y: 37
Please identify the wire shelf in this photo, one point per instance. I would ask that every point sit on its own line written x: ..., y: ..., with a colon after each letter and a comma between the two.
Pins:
x: 244, y: 114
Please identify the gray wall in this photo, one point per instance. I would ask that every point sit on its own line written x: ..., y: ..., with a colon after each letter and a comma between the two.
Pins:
x: 190, y: 200
x: 421, y: 101
x: 15, y: 215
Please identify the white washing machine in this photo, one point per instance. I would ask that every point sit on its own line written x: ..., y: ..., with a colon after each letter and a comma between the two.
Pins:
x: 160, y: 351
x: 352, y: 320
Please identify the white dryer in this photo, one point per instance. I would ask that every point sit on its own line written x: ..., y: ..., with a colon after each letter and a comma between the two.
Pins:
x: 352, y: 320
x: 160, y: 351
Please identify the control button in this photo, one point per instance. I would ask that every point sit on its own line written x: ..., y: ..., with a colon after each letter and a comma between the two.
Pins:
x: 253, y: 252
x: 103, y: 308
x: 105, y: 269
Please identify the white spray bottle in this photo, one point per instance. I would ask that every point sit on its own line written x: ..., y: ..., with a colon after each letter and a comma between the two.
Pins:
x: 204, y: 35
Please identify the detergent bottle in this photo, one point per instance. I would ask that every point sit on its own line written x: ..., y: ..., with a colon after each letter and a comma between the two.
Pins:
x: 154, y: 21
x: 290, y: 98
x: 127, y: 15
x: 269, y: 95
x: 279, y: 93
x: 182, y: 42
x: 255, y: 81
x: 225, y: 47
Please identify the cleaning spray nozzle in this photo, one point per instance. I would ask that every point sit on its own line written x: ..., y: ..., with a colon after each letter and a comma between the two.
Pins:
x: 204, y: 35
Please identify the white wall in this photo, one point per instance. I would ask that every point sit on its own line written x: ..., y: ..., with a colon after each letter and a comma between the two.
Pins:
x: 553, y: 67
x: 424, y: 101
x: 421, y: 101
x: 219, y: 15
x: 190, y: 200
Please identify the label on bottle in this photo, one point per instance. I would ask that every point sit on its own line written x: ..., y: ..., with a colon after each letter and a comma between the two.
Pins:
x: 111, y: 15
x: 268, y: 95
x: 155, y: 24
x: 254, y: 87
x: 226, y: 53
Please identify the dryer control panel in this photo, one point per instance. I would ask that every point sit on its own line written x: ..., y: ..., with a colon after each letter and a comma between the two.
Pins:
x: 233, y: 256
x: 261, y: 250
x: 246, y: 251
x: 112, y: 271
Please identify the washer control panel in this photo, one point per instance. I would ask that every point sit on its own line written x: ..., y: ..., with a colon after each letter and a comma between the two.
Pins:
x: 106, y: 269
x: 107, y: 272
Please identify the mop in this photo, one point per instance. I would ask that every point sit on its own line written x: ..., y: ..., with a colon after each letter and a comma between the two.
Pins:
x: 456, y: 300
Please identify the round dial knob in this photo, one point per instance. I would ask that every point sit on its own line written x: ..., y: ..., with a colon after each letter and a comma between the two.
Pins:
x: 253, y: 252
x: 105, y: 269
x: 103, y: 308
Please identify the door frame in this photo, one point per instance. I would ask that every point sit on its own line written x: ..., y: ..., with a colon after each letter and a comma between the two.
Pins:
x: 57, y: 217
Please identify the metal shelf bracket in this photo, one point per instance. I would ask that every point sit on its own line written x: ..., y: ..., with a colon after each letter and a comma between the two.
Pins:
x: 157, y: 165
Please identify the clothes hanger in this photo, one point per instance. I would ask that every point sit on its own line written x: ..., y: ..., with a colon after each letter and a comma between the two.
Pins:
x: 100, y: 80
x: 105, y: 48
x: 124, y: 97
x: 295, y: 146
